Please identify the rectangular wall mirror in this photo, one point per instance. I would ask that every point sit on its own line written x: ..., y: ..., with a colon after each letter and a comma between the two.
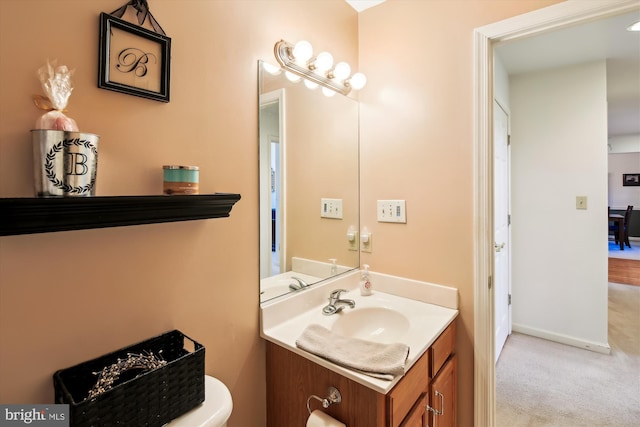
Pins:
x: 309, y: 175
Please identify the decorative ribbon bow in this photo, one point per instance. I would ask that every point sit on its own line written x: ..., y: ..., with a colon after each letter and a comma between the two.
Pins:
x: 43, y: 103
x: 142, y: 9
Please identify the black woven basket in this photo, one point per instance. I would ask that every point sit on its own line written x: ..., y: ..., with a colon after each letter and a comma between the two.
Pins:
x: 152, y: 398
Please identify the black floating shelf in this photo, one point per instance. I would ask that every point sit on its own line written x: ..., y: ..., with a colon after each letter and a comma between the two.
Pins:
x: 44, y: 215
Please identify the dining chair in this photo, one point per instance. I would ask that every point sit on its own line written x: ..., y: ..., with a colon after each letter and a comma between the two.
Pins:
x: 613, y: 226
x: 627, y: 222
x: 624, y: 233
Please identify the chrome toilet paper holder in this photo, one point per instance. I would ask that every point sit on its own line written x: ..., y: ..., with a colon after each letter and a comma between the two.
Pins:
x: 333, y: 396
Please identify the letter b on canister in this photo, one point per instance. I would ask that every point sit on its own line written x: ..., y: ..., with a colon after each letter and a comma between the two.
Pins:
x: 64, y: 163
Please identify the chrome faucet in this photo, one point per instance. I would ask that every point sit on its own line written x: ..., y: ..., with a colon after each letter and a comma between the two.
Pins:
x: 297, y: 286
x: 336, y: 304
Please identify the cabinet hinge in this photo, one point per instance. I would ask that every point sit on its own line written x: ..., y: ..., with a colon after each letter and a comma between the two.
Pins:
x: 490, y: 280
x: 508, y: 139
x: 509, y: 299
x: 509, y: 219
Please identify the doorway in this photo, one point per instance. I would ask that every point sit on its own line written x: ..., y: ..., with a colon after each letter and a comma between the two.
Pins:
x: 272, y: 196
x: 537, y: 22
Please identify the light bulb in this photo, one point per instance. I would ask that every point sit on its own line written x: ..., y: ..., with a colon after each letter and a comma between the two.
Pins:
x: 328, y: 92
x: 634, y: 27
x: 357, y: 81
x: 341, y: 71
x: 302, y: 52
x: 271, y: 69
x: 309, y: 84
x: 323, y: 62
x: 292, y: 77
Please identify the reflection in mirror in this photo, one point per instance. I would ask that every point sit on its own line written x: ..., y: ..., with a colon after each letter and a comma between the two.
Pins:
x: 308, y: 184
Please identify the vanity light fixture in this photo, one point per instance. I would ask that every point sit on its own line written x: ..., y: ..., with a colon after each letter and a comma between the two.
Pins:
x: 298, y: 60
x: 309, y: 84
x: 634, y: 27
x: 293, y: 77
x: 271, y: 69
x: 328, y: 92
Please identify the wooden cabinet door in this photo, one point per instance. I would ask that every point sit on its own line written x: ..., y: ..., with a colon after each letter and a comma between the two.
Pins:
x: 418, y: 416
x: 443, y: 396
x: 403, y: 397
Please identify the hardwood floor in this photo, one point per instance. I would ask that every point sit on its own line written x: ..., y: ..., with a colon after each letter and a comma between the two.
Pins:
x: 626, y: 271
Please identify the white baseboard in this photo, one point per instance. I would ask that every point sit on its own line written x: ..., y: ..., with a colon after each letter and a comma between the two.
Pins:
x: 631, y: 239
x: 562, y: 339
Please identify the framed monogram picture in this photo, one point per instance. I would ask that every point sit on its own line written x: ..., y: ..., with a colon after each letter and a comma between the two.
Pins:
x: 133, y: 60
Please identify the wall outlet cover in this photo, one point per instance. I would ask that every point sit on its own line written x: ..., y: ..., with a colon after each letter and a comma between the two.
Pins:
x: 331, y: 208
x: 392, y: 211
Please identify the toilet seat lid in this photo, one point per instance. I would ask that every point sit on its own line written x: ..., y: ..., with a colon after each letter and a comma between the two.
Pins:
x: 214, y: 411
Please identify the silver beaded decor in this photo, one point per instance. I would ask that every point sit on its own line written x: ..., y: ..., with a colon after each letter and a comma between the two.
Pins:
x: 110, y: 374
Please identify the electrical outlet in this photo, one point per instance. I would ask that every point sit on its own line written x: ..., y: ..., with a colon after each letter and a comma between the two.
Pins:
x: 353, y: 238
x: 331, y: 208
x: 392, y: 211
x: 366, y: 241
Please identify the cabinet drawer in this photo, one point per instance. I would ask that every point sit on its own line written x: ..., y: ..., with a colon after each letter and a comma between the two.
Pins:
x: 405, y: 394
x: 442, y: 348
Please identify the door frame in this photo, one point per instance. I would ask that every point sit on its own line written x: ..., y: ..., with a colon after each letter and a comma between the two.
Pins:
x: 274, y: 97
x: 549, y: 18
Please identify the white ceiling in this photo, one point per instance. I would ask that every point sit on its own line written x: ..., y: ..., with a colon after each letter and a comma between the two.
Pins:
x: 602, y: 39
x: 361, y: 5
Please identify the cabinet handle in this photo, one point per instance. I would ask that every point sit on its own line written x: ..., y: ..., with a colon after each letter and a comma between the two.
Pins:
x: 434, y: 410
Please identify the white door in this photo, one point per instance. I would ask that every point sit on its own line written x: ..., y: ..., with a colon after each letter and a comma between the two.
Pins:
x: 271, y: 177
x: 502, y: 274
x: 276, y: 205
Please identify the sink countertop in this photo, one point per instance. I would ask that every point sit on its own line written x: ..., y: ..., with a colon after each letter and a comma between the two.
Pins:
x: 283, y: 320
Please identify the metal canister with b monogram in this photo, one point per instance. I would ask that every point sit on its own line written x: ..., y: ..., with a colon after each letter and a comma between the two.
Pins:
x: 65, y: 163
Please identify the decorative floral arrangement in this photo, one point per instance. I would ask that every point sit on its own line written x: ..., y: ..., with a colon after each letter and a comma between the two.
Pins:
x: 110, y: 374
x: 57, y: 85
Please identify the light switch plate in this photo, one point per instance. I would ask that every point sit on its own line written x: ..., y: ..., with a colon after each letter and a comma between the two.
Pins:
x: 392, y: 211
x: 331, y: 208
x: 581, y: 202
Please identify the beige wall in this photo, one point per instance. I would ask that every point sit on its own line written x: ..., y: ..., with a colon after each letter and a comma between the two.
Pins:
x: 66, y: 297
x: 321, y: 161
x: 556, y: 113
x: 417, y: 145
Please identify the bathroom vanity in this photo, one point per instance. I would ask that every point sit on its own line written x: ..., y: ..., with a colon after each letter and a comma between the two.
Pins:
x: 424, y: 396
x: 320, y: 131
x: 431, y: 382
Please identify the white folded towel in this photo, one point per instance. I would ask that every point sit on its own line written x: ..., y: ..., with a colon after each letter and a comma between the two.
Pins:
x: 384, y: 361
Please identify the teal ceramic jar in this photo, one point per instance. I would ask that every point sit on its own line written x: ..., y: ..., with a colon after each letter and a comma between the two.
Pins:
x: 180, y: 179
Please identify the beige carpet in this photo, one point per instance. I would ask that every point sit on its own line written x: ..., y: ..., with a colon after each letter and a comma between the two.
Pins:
x: 541, y: 383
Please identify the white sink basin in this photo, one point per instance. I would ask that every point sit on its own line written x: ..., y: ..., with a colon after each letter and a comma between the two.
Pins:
x: 372, y: 323
x: 274, y: 291
x: 277, y: 285
x: 382, y: 317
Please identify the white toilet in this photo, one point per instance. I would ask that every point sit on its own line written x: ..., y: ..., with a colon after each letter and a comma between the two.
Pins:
x: 214, y: 411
